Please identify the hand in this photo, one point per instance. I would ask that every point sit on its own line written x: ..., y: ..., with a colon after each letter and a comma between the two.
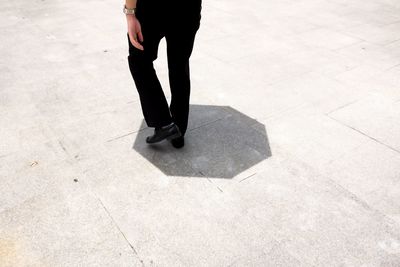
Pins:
x: 135, y: 31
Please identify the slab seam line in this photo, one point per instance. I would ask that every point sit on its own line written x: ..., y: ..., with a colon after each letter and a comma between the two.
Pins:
x: 119, y: 229
x: 366, y: 135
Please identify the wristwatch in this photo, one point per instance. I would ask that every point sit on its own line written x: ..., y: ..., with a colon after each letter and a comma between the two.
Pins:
x: 129, y: 11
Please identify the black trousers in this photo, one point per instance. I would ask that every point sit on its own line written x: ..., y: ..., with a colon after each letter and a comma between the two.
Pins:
x: 177, y: 21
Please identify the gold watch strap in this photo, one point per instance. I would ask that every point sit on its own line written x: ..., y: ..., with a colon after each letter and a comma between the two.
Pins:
x: 129, y: 11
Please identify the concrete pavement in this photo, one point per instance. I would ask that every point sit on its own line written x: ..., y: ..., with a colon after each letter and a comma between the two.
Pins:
x: 292, y: 156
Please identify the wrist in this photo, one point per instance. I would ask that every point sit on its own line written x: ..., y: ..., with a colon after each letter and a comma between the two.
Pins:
x: 131, y: 19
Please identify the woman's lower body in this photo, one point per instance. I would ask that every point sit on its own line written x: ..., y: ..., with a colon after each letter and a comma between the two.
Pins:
x: 177, y: 21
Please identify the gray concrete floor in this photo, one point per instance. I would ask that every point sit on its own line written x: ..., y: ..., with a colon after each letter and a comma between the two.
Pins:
x: 293, y: 148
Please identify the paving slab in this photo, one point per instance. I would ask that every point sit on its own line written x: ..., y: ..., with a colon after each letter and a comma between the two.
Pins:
x: 367, y: 172
x: 57, y: 230
x: 288, y: 207
x: 291, y: 155
x: 375, y: 116
x: 313, y: 138
x: 369, y: 54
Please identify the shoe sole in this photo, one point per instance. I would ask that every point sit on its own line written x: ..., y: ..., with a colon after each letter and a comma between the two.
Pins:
x: 176, y: 135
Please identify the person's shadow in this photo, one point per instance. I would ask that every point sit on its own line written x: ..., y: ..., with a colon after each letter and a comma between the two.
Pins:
x: 220, y: 143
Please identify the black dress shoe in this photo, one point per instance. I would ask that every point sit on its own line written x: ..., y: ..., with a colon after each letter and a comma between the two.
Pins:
x: 169, y: 131
x: 178, y: 142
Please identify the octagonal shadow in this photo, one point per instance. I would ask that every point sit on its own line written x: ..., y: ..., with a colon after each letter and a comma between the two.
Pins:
x: 220, y: 142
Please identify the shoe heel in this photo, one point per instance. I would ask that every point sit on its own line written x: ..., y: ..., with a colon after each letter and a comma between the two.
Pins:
x: 174, y: 136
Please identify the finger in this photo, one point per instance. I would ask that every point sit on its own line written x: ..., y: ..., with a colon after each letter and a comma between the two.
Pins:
x: 131, y: 37
x: 140, y: 36
x: 135, y: 43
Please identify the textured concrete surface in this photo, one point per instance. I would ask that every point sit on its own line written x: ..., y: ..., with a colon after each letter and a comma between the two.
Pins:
x: 292, y: 155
